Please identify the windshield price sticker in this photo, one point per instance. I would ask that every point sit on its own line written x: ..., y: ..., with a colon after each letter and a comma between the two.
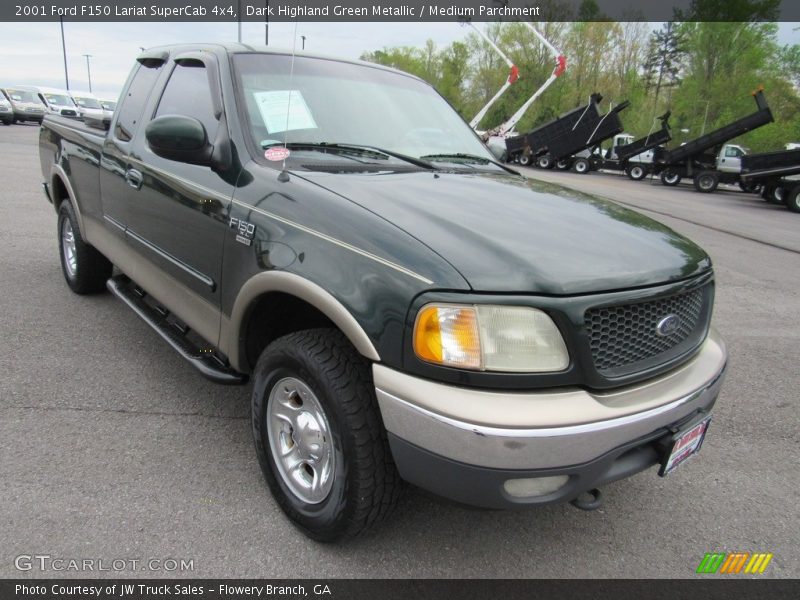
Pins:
x: 283, y: 111
x: 277, y: 154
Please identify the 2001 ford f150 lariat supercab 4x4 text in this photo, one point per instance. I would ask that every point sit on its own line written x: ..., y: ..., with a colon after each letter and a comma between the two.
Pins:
x: 405, y: 307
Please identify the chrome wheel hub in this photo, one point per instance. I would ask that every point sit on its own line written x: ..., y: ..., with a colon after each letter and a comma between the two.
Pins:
x: 68, y: 248
x: 300, y: 440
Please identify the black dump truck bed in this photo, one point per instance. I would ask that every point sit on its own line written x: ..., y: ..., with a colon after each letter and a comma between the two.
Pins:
x: 719, y: 136
x: 570, y: 133
x: 771, y: 164
x: 648, y: 142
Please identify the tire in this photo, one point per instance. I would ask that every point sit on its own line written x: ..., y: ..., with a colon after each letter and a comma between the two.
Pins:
x: 670, y: 178
x: 563, y: 165
x: 774, y: 194
x: 85, y: 269
x: 524, y: 159
x: 636, y: 172
x: 545, y: 162
x: 706, y: 182
x: 793, y: 199
x: 581, y: 165
x: 315, y: 378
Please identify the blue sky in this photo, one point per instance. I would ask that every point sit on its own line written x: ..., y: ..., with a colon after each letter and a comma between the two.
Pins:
x: 31, y: 52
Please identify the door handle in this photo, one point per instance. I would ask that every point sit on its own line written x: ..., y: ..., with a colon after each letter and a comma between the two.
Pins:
x: 134, y: 178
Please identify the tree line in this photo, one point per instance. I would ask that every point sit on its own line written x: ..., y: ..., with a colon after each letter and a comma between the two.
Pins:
x: 701, y: 71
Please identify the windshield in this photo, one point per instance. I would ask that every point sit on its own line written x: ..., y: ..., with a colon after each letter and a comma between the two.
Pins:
x: 23, y: 96
x: 59, y: 99
x: 87, y: 102
x: 108, y: 105
x: 342, y: 103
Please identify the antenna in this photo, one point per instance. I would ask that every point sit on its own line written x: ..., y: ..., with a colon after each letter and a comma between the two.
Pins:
x: 284, y: 176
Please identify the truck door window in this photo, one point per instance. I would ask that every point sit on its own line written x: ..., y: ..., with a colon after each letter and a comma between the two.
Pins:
x: 188, y: 94
x: 132, y: 103
x: 732, y: 152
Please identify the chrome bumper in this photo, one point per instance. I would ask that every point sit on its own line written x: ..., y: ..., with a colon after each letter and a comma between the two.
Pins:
x: 543, y: 430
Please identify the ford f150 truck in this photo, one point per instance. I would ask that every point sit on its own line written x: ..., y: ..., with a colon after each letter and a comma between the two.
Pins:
x: 404, y: 307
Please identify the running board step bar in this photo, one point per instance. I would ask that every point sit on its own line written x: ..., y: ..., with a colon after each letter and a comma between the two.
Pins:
x: 207, y: 363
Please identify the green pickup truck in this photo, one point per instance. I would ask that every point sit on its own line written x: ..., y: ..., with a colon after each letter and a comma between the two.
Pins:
x: 405, y: 308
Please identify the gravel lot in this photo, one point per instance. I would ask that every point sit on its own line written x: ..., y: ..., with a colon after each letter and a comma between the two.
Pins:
x: 114, y: 448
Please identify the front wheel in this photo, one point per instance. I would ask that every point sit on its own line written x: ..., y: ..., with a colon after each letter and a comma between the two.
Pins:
x: 85, y: 269
x: 319, y: 436
x: 524, y: 159
x: 670, y: 178
x: 635, y: 172
x: 793, y: 199
x: 545, y: 162
x: 774, y: 194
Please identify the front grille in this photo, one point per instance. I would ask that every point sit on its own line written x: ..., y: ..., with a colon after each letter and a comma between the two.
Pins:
x: 624, y: 338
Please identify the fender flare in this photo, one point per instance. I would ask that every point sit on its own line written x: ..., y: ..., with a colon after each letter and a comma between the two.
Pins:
x: 57, y: 172
x: 308, y: 291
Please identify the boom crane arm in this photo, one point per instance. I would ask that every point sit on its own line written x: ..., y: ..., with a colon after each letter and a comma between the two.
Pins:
x: 513, y: 75
x: 561, y: 66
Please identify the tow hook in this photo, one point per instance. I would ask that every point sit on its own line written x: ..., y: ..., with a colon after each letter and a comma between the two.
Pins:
x: 594, y: 501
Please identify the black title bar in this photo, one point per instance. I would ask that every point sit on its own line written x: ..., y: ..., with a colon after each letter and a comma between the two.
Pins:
x: 398, y: 10
x: 711, y: 588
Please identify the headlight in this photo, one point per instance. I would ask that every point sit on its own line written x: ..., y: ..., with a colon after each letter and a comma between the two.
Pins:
x: 489, y: 338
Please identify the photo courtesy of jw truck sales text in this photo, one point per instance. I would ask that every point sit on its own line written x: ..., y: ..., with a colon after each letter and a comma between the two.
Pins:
x: 378, y: 291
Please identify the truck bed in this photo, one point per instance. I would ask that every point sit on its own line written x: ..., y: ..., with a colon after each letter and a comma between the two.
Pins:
x: 650, y: 141
x: 713, y: 139
x: 771, y: 164
x: 572, y: 132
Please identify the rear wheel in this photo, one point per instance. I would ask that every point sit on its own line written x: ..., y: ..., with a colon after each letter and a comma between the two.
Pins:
x: 545, y: 162
x: 635, y: 172
x: 524, y: 159
x: 85, y: 269
x: 319, y: 436
x: 670, y: 177
x: 706, y: 181
x: 581, y: 165
x: 562, y: 165
x: 793, y: 199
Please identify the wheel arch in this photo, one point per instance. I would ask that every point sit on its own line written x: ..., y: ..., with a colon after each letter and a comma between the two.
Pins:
x: 61, y: 189
x: 303, y: 298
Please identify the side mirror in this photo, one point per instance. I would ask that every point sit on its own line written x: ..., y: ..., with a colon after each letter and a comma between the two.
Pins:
x: 179, y: 138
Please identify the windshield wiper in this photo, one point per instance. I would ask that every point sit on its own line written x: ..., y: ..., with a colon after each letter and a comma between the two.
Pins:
x: 364, y: 150
x: 467, y: 158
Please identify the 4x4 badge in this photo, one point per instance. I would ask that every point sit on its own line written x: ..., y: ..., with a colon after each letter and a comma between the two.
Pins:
x: 668, y: 325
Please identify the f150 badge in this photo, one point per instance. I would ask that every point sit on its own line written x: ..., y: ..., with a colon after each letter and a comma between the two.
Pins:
x: 245, y: 231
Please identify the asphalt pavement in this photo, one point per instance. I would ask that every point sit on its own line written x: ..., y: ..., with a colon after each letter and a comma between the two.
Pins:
x: 113, y: 448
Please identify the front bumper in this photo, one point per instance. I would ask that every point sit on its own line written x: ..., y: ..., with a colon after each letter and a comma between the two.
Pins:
x: 465, y: 444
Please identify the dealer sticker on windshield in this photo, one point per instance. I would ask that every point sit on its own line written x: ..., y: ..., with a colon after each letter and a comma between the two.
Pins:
x: 686, y: 443
x: 278, y: 153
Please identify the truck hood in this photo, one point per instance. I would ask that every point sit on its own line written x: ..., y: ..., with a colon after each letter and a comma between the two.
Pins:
x: 506, y: 233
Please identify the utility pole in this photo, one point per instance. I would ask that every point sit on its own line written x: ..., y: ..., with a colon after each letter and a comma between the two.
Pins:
x: 302, y: 37
x: 64, y: 50
x: 266, y: 24
x: 89, y: 71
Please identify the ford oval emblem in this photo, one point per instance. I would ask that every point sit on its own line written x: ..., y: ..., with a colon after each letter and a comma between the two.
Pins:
x: 668, y: 325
